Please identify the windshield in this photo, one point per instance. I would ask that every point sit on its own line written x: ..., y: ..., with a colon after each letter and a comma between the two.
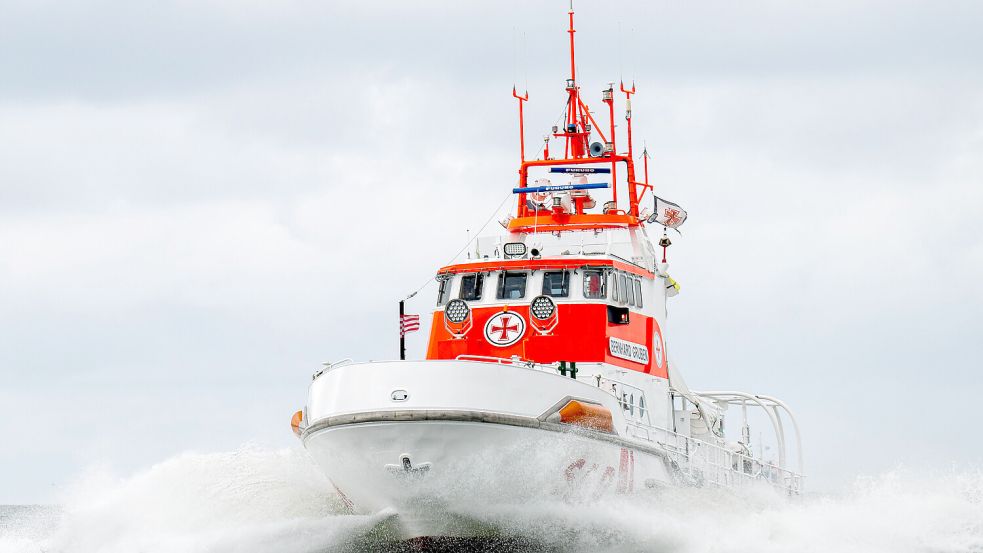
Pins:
x: 511, y: 286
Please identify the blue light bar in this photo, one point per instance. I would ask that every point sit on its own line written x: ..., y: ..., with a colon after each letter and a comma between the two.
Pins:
x: 560, y: 187
x: 580, y: 170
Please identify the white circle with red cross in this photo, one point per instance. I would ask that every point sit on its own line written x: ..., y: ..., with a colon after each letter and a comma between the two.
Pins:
x: 504, y: 328
x: 657, y: 348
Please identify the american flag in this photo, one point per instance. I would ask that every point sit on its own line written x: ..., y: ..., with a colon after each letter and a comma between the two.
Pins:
x: 409, y: 323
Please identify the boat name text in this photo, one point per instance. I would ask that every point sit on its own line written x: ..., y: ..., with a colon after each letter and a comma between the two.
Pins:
x: 628, y: 350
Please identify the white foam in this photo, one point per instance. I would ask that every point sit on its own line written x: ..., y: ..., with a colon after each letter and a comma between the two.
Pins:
x: 264, y: 501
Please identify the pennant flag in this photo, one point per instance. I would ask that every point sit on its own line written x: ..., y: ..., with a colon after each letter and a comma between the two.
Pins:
x: 667, y: 214
x: 672, y: 287
x: 409, y: 323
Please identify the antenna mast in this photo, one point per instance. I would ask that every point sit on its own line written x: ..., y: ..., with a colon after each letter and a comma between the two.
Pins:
x: 522, y: 132
x: 578, y: 127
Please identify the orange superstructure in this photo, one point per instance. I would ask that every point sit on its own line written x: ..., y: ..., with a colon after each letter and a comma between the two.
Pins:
x: 579, y: 125
x: 573, y: 282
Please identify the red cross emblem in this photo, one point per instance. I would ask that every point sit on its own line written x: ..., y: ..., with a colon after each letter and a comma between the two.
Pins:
x: 672, y: 216
x: 504, y: 328
x: 657, y: 347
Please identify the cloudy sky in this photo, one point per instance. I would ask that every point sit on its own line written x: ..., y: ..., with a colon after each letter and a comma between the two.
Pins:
x: 202, y: 201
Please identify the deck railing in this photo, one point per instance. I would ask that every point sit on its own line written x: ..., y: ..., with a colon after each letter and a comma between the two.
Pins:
x: 706, y: 463
x: 702, y: 461
x: 699, y: 461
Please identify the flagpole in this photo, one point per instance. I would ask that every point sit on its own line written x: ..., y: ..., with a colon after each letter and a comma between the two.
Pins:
x: 402, y: 335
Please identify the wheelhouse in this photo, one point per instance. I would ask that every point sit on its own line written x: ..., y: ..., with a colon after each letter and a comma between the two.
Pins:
x: 548, y: 310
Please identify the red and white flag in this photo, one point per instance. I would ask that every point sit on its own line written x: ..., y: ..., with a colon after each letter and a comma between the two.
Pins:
x: 667, y: 214
x: 409, y: 323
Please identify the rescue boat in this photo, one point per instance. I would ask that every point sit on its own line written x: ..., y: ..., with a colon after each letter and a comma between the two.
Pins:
x: 547, y: 372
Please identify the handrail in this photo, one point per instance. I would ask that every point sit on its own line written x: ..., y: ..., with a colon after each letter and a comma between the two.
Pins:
x: 514, y: 361
x: 776, y: 403
x: 795, y: 425
x: 718, y: 447
x: 792, y: 479
x: 328, y: 365
x: 485, y: 358
x: 776, y: 425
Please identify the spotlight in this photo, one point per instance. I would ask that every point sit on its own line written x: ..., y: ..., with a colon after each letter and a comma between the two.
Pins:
x: 514, y: 249
x: 542, y: 307
x: 457, y: 311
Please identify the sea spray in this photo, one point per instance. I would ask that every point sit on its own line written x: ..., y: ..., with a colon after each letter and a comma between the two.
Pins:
x: 255, y: 500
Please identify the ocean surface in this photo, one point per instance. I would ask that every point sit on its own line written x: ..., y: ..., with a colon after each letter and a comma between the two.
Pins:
x: 256, y: 500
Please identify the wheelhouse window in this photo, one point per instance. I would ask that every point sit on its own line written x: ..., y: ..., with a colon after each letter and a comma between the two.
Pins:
x: 594, y: 282
x: 638, y: 293
x: 556, y: 284
x: 511, y: 286
x: 631, y: 291
x: 444, y: 292
x: 614, y: 287
x: 623, y: 288
x: 471, y: 286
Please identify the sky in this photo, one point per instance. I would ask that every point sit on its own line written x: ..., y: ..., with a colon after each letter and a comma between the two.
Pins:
x: 201, y: 202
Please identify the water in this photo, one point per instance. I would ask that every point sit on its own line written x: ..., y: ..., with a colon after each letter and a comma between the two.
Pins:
x: 255, y: 500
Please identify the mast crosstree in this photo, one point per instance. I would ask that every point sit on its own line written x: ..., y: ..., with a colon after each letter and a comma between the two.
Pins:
x: 579, y: 125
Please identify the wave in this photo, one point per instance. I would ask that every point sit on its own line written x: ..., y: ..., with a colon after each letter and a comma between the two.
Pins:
x: 257, y: 500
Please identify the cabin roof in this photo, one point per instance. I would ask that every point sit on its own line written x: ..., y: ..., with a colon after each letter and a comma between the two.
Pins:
x: 543, y: 264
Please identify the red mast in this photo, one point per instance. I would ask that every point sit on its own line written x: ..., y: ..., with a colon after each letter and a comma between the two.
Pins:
x: 628, y: 94
x: 578, y: 124
x: 522, y: 131
x: 574, y: 131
